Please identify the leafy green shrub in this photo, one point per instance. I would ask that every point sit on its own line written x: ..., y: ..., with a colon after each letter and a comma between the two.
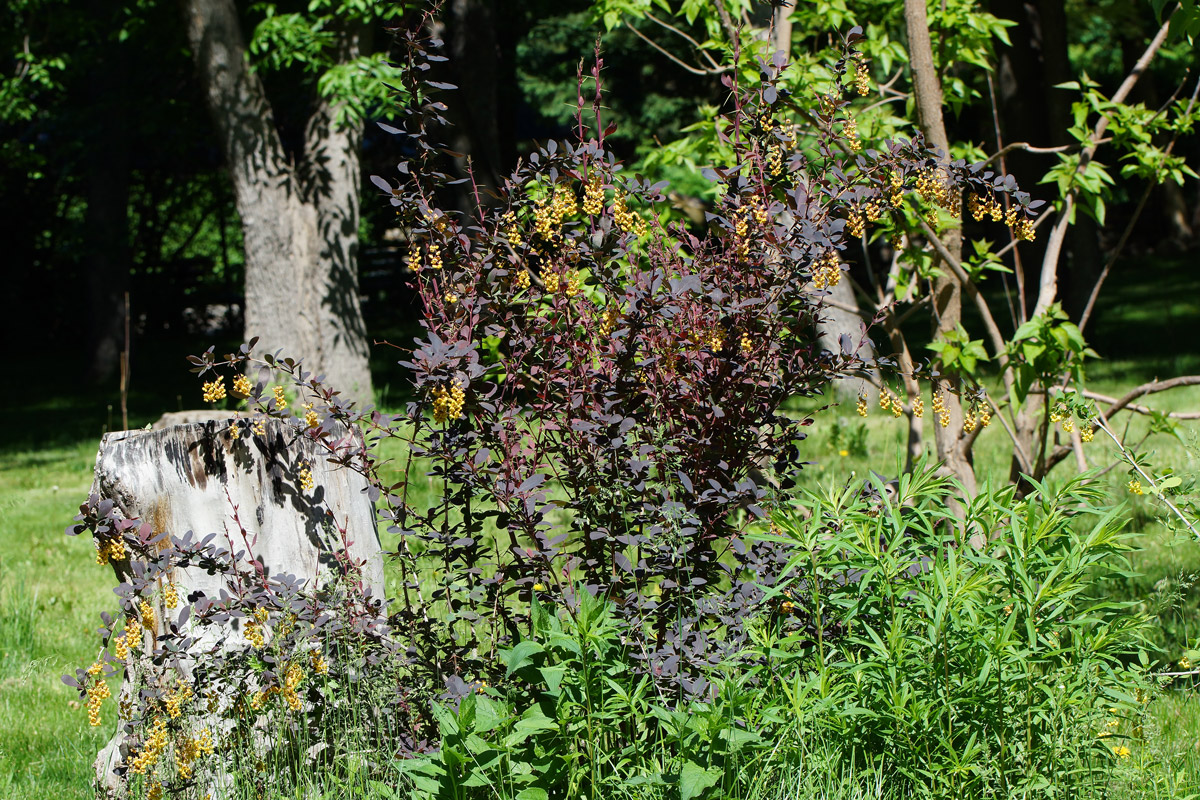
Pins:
x: 964, y: 648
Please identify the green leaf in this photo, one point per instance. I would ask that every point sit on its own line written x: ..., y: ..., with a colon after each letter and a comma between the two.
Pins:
x: 694, y: 780
x: 522, y: 655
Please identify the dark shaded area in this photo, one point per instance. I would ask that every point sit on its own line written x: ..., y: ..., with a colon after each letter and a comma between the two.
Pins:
x: 116, y: 182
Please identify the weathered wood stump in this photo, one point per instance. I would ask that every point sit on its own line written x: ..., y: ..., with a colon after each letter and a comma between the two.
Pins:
x: 253, y: 493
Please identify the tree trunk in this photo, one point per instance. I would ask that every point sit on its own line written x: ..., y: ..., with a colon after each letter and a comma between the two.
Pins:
x: 196, y: 478
x: 836, y: 321
x: 300, y: 222
x: 106, y: 222
x: 953, y: 448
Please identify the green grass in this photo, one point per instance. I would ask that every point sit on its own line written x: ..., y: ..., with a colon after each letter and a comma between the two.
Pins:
x: 51, y: 592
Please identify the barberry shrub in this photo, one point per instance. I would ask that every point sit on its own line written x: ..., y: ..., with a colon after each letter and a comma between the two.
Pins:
x: 602, y: 395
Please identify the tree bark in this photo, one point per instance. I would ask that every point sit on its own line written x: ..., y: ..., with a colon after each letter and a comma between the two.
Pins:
x: 953, y: 448
x: 300, y: 221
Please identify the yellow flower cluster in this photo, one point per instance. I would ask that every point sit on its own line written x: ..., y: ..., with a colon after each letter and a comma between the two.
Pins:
x: 306, y: 478
x: 291, y: 681
x: 548, y: 216
x: 608, y: 323
x: 850, y: 131
x: 121, y: 645
x: 712, y: 337
x: 862, y: 404
x: 214, y: 390
x: 918, y: 407
x: 895, y: 187
x: 981, y: 207
x: 254, y: 635
x: 521, y: 280
x: 311, y: 418
x: 1135, y: 486
x: 873, y: 210
x: 155, y: 746
x: 280, y: 399
x: 1185, y: 663
x: 190, y: 750
x: 826, y: 271
x: 155, y: 792
x: 435, y: 258
x: 888, y: 401
x: 939, y: 408
x: 319, y: 665
x: 241, y: 386
x: 1068, y: 425
x: 450, y: 298
x: 437, y: 220
x: 1023, y: 230
x: 593, y: 195
x: 414, y: 256
x: 149, y: 621
x: 1087, y: 434
x: 96, y: 694
x: 627, y: 220
x: 259, y: 426
x: 110, y: 549
x: 171, y: 595
x: 774, y: 161
x: 932, y: 187
x: 448, y: 402
x: 1121, y: 751
x: 177, y: 698
x: 855, y: 223
x: 512, y: 231
x: 759, y: 212
x: 741, y: 227
x: 862, y: 77
x: 970, y: 422
x: 747, y: 344
x: 569, y: 284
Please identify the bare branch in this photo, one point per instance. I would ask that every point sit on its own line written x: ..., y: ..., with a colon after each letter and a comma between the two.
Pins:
x: 1151, y: 388
x: 1028, y: 148
x: 1140, y: 409
x: 668, y: 54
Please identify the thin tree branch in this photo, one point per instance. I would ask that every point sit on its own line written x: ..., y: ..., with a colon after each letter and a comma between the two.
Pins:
x: 668, y: 54
x: 1028, y: 148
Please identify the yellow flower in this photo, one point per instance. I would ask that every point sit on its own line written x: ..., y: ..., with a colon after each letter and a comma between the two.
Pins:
x: 241, y: 386
x: 1135, y: 487
x: 843, y: 453
x: 448, y: 402
x: 306, y: 478
x: 280, y: 400
x: 539, y: 587
x: 214, y: 390
x: 1121, y: 751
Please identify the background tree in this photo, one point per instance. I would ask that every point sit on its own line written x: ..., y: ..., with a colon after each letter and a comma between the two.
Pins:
x: 299, y: 209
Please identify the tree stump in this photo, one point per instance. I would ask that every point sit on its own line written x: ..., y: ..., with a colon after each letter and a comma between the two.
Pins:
x: 250, y: 491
